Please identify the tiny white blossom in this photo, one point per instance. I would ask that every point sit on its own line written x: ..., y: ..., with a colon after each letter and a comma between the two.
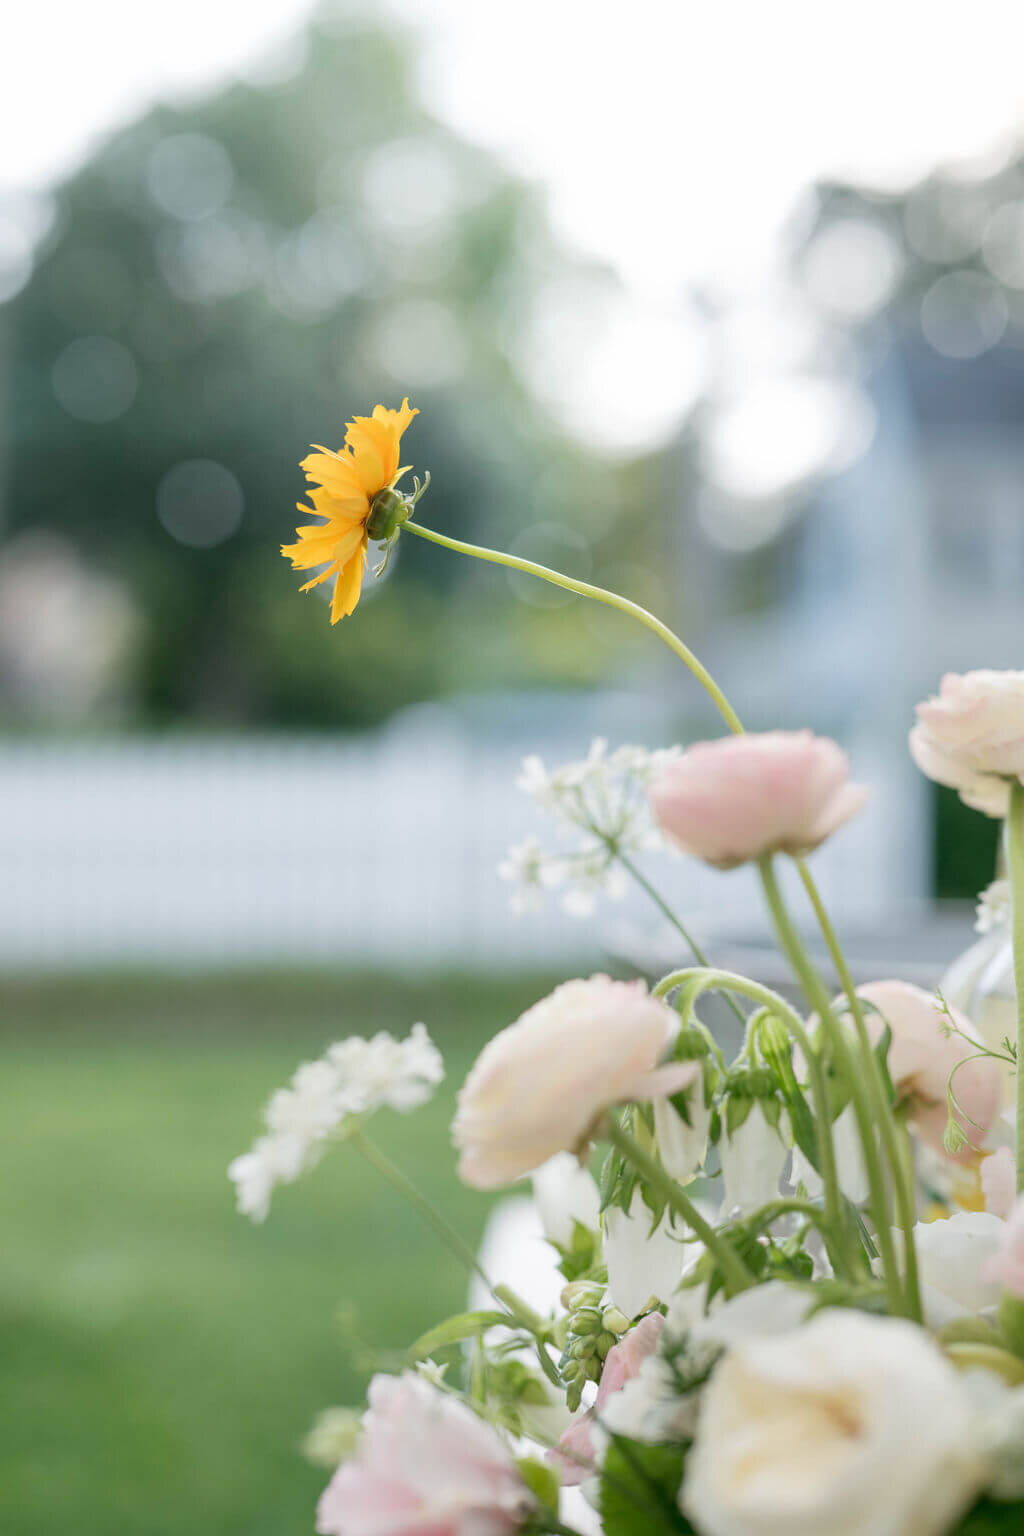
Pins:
x: 355, y: 1077
x: 995, y: 907
x: 601, y: 805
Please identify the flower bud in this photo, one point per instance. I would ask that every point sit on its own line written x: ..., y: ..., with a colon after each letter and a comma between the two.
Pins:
x: 388, y: 511
x: 605, y: 1342
x: 615, y: 1321
x: 586, y: 1320
x: 580, y: 1293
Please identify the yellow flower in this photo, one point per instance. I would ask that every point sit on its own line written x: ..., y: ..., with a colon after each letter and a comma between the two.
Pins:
x: 344, y: 485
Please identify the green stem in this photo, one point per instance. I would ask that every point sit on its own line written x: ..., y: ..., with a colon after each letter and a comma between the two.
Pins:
x: 663, y: 906
x: 1015, y: 864
x: 818, y: 998
x: 600, y: 595
x: 735, y: 1273
x: 727, y: 981
x: 894, y: 1139
x: 424, y: 1208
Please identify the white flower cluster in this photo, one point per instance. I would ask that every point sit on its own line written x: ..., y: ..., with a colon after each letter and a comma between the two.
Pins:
x: 601, y: 805
x: 355, y: 1077
x: 995, y: 907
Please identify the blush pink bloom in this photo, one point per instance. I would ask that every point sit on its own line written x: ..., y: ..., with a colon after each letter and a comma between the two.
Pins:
x: 999, y: 1182
x: 971, y: 737
x: 1006, y: 1267
x: 740, y: 797
x: 574, y: 1454
x: 425, y: 1466
x: 921, y: 1057
x: 541, y: 1085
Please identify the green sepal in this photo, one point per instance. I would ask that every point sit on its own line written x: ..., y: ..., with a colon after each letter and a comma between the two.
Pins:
x: 466, y: 1325
x: 542, y: 1481
x: 1011, y: 1322
x: 989, y: 1518
x: 639, y: 1490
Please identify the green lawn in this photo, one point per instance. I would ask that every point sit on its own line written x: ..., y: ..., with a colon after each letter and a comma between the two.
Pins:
x: 160, y: 1357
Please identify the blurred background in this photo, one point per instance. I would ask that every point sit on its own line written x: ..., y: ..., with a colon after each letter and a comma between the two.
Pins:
x: 723, y: 309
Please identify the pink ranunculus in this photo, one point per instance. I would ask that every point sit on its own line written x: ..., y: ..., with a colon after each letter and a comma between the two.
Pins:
x: 425, y: 1466
x: 999, y: 1182
x: 541, y: 1085
x: 739, y: 797
x: 922, y: 1055
x: 971, y: 737
x: 1006, y: 1267
x: 574, y: 1454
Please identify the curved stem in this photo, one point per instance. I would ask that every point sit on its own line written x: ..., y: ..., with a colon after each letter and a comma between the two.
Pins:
x: 663, y: 906
x: 894, y: 1139
x: 1015, y: 864
x: 817, y: 996
x: 600, y: 595
x: 735, y: 1273
x: 728, y: 981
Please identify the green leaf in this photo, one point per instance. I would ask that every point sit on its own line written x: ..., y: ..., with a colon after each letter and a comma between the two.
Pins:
x: 640, y: 1488
x: 466, y: 1325
x: 541, y: 1479
x: 988, y: 1518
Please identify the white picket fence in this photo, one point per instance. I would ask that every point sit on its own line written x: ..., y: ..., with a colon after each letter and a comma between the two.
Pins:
x: 379, y: 850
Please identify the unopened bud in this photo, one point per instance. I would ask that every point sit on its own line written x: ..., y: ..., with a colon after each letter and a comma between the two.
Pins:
x: 614, y: 1320
x: 578, y: 1293
x: 586, y: 1320
x: 690, y: 1045
x: 605, y: 1342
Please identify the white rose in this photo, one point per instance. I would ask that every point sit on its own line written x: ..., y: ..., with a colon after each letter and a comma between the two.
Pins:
x: 971, y: 737
x: 851, y: 1425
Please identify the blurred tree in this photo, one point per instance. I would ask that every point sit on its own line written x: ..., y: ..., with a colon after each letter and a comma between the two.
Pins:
x: 224, y: 284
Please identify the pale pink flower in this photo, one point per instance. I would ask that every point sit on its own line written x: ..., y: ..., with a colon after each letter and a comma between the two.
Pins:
x: 923, y: 1053
x: 541, y: 1085
x: 999, y: 1182
x: 425, y: 1466
x: 1006, y: 1267
x: 971, y: 737
x: 574, y: 1454
x: 739, y: 797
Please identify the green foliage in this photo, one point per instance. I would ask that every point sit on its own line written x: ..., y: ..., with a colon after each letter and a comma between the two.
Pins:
x: 464, y: 1325
x: 988, y: 1518
x: 639, y: 1489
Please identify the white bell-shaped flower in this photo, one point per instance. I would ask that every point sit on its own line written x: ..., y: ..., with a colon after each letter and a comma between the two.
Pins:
x: 753, y: 1157
x: 641, y: 1263
x: 565, y: 1193
x: 682, y: 1146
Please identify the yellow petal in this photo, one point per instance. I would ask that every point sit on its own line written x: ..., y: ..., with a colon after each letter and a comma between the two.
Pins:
x: 352, y: 507
x: 348, y: 586
x: 396, y: 420
x: 330, y: 545
x: 309, y: 585
x: 334, y: 471
x: 374, y: 453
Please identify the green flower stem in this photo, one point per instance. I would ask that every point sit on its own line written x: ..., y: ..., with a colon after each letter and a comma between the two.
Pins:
x: 519, y: 1311
x: 894, y: 1138
x: 726, y: 981
x: 1015, y: 864
x: 735, y: 1273
x: 423, y: 1207
x: 663, y: 906
x: 818, y: 998
x: 600, y: 595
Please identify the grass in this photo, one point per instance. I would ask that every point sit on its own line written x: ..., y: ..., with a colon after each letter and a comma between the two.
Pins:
x: 160, y: 1357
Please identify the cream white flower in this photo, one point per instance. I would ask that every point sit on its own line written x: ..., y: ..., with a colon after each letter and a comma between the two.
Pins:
x: 600, y: 805
x: 354, y: 1078
x: 850, y: 1425
x: 853, y: 1177
x: 541, y: 1085
x: 953, y: 1257
x: 752, y: 1159
x: 683, y: 1145
x: 642, y: 1264
x: 565, y: 1193
x: 971, y: 737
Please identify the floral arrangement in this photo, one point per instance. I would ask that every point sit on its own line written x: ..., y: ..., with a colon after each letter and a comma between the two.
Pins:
x: 792, y: 1281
